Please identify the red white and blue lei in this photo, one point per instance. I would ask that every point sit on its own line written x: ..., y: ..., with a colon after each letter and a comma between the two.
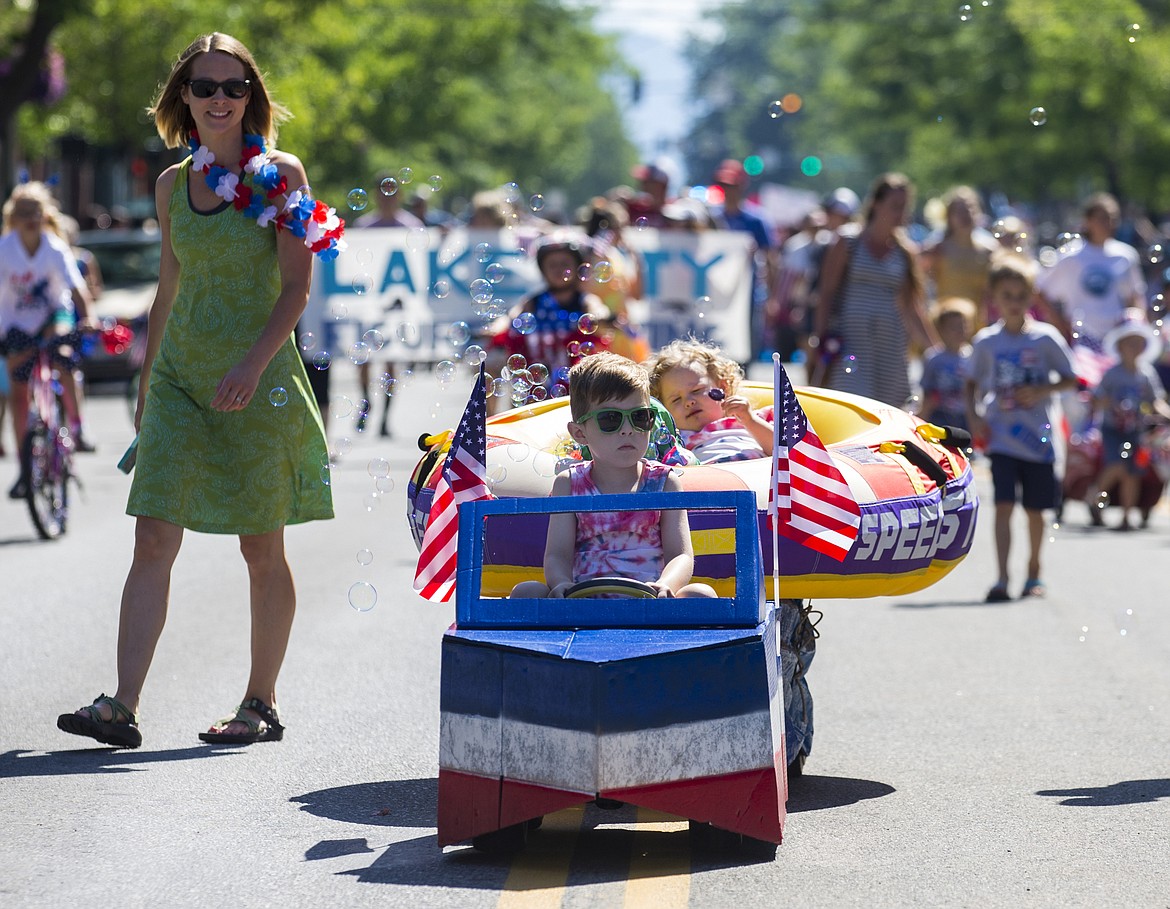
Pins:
x: 259, y: 190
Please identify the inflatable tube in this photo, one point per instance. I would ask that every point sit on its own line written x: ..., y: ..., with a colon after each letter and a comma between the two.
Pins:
x: 917, y: 498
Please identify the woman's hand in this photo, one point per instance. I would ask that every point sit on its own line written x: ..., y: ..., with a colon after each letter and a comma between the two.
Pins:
x: 236, y: 389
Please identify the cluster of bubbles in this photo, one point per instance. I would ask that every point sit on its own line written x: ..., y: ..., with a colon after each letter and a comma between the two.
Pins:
x: 967, y: 11
x: 358, y: 198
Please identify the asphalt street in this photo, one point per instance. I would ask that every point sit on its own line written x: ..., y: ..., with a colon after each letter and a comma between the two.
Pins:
x: 966, y: 754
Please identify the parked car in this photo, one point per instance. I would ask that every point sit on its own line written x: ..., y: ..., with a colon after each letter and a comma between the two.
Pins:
x: 128, y: 260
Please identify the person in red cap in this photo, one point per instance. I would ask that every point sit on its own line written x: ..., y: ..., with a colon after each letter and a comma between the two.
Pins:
x: 737, y: 213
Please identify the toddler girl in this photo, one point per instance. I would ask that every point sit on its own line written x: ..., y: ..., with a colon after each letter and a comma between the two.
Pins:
x: 698, y: 386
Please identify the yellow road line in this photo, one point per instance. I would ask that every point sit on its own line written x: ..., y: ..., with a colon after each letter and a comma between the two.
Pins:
x: 539, y: 873
x: 660, y: 866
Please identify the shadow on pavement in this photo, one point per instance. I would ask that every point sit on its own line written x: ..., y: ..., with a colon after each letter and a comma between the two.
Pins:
x: 815, y: 793
x: 96, y: 760
x: 1126, y: 792
x: 951, y: 604
x: 395, y: 803
x: 601, y: 851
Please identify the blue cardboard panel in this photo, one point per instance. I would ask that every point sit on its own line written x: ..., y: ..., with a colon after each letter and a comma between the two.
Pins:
x: 551, y: 641
x: 545, y: 691
x: 746, y: 609
x: 470, y: 679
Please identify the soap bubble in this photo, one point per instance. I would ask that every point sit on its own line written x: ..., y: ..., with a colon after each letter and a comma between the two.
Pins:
x: 339, y: 311
x: 587, y: 324
x: 776, y: 110
x: 483, y: 252
x: 362, y: 596
x: 435, y: 182
x: 517, y: 362
x: 500, y: 387
x: 965, y: 13
x: 405, y: 175
x: 481, y: 290
x: 389, y: 186
x: 307, y: 341
x: 321, y: 360
x: 407, y: 333
x: 340, y: 407
x: 536, y: 203
x: 441, y: 289
x: 1037, y: 116
x: 278, y: 397
x: 473, y: 355
x: 459, y: 334
x: 495, y: 273
x: 518, y: 451
x: 418, y: 239
x: 359, y: 353
x: 358, y: 199
x: 364, y: 557
x: 378, y: 467
x: 444, y: 371
x: 539, y: 373
x: 374, y: 339
x: 588, y: 348
x: 603, y: 272
x: 525, y: 323
x: 1133, y: 33
x: 641, y: 223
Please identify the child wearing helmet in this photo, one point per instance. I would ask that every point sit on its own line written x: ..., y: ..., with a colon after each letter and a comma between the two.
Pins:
x: 558, y: 324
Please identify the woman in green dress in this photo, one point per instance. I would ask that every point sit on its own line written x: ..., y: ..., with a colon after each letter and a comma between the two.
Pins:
x: 229, y: 437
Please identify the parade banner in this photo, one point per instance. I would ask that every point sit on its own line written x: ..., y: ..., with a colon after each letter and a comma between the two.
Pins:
x: 421, y: 289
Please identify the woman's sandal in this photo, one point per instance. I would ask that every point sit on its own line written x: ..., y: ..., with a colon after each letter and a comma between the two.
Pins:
x: 121, y: 730
x: 268, y: 729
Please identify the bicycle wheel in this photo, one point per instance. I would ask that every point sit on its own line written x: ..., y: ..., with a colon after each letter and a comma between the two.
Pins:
x: 47, y: 466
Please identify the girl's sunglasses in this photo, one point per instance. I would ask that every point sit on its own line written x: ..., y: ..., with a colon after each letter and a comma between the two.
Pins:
x: 610, y: 419
x: 232, y: 88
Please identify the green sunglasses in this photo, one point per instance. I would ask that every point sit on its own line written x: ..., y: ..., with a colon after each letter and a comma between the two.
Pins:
x: 610, y: 419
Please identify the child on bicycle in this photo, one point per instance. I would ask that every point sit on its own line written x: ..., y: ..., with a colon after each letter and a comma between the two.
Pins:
x: 42, y: 296
x: 698, y: 385
x: 609, y: 397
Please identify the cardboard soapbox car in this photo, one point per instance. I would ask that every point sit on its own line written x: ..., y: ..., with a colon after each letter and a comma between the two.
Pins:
x: 675, y: 705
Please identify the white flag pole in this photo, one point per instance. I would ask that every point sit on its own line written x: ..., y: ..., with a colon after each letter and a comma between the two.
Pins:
x: 775, y: 493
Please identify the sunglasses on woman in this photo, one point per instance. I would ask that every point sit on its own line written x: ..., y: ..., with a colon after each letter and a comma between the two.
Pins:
x: 232, y: 88
x: 610, y: 419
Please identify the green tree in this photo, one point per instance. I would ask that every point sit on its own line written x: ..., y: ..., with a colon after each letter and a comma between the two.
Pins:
x: 477, y: 93
x: 946, y: 92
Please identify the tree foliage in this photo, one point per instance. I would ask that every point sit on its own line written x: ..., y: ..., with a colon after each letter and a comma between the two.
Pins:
x: 477, y: 93
x: 945, y: 92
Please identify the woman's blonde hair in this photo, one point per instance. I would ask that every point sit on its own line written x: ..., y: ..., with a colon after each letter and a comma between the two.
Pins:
x: 37, y: 192
x: 171, y: 115
x: 690, y: 352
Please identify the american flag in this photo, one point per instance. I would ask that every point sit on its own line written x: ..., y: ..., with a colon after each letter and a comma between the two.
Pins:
x: 1090, y: 361
x: 464, y: 479
x: 809, y: 500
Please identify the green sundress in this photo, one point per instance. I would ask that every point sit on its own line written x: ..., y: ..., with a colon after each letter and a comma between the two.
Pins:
x: 245, y: 472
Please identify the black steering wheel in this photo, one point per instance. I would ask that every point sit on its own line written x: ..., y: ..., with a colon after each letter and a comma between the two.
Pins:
x: 624, y: 587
